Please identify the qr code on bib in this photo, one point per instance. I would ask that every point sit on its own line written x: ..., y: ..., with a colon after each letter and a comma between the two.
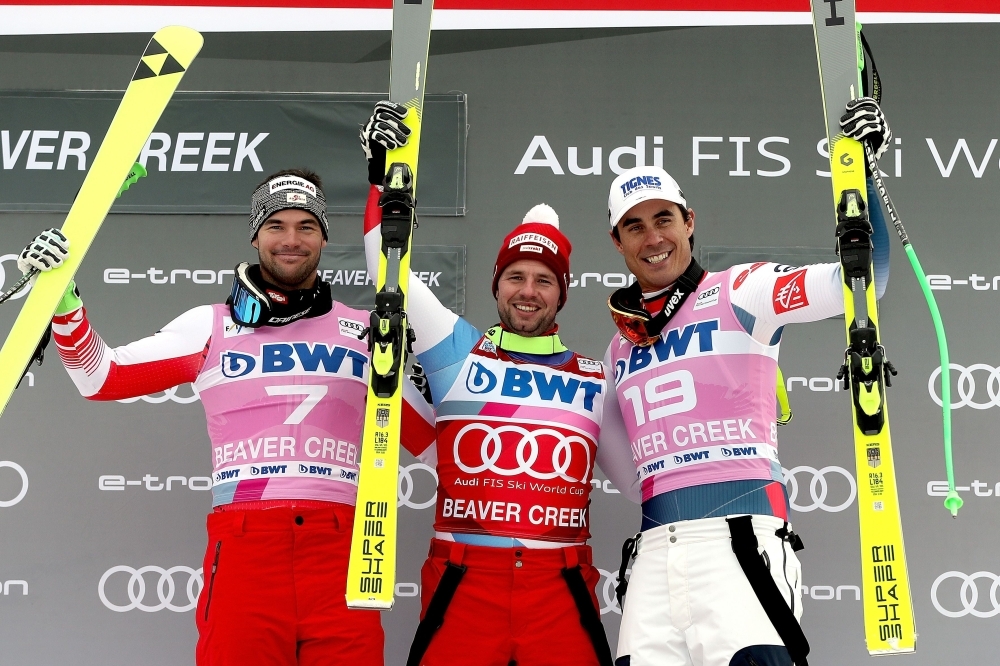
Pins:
x: 877, y: 506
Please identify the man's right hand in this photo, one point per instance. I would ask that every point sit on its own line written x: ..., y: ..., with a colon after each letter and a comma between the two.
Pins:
x: 48, y: 250
x: 384, y: 131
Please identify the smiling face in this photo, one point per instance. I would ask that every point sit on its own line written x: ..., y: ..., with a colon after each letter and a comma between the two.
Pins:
x: 528, y: 297
x: 653, y: 238
x: 289, y: 244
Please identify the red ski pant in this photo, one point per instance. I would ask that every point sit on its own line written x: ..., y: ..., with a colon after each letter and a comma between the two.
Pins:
x: 513, y: 605
x: 274, y: 590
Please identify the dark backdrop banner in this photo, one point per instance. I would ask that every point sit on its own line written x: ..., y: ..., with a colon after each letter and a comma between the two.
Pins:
x: 102, y: 505
x: 210, y: 149
x: 440, y: 267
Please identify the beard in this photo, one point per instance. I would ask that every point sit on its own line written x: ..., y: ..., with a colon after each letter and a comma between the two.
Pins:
x: 287, y: 277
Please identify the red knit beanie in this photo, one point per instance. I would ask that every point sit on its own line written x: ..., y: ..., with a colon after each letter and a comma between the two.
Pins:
x: 538, y: 238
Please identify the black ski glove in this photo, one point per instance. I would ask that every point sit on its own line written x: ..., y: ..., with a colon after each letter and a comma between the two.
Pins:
x: 383, y: 131
x: 864, y: 121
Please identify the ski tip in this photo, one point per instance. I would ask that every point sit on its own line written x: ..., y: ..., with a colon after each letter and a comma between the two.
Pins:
x: 181, y: 43
x: 953, y: 503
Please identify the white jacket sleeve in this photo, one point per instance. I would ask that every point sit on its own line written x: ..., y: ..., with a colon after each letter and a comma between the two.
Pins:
x: 766, y: 296
x: 431, y: 320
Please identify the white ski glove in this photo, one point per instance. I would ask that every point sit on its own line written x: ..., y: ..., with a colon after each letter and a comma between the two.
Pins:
x: 383, y: 131
x: 48, y: 250
x: 864, y: 121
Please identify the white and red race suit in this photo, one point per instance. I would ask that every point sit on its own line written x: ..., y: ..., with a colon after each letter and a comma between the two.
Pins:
x: 517, y: 427
x: 285, y: 409
x: 285, y: 405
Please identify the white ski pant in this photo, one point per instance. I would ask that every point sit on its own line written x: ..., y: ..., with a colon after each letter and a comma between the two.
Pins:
x: 688, y: 601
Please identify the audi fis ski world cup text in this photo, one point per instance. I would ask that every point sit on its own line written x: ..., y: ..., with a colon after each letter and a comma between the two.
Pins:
x: 743, y: 156
x: 479, y: 450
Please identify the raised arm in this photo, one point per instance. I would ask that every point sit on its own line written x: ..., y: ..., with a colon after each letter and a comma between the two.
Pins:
x: 768, y: 296
x: 443, y: 339
x: 430, y: 319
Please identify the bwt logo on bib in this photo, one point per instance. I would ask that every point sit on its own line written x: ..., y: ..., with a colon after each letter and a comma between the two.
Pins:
x: 691, y: 457
x: 279, y: 357
x: 641, y: 181
x: 526, y: 384
x: 268, y: 470
x: 676, y: 342
x: 738, y: 451
x: 319, y: 470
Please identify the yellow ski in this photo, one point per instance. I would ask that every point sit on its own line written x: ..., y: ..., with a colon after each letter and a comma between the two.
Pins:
x: 888, y: 607
x: 168, y: 55
x: 371, y: 576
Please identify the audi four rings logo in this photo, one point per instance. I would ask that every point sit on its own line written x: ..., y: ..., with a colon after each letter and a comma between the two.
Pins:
x: 989, y: 375
x: 166, y: 587
x: 818, y: 488
x: 24, y: 484
x: 16, y: 276
x: 170, y: 394
x: 968, y: 594
x: 407, y: 484
x: 606, y: 591
x: 491, y: 449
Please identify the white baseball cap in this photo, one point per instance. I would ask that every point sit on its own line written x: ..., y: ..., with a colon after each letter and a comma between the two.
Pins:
x: 638, y: 185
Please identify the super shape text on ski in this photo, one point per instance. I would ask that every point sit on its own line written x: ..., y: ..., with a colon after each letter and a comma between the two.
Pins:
x: 888, y: 609
x: 371, y: 574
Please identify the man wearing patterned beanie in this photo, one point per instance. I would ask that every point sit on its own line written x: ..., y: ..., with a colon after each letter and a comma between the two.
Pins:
x: 509, y: 578
x: 282, y: 376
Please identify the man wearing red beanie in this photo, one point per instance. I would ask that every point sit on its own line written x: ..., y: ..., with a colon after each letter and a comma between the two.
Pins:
x: 509, y: 578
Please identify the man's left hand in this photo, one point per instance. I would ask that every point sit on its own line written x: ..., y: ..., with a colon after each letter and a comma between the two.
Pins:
x: 864, y: 121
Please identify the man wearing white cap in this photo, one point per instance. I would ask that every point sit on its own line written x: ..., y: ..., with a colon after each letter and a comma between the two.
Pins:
x: 692, y: 426
x: 509, y: 578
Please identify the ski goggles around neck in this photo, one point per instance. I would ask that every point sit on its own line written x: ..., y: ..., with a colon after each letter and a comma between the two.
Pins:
x: 635, y: 323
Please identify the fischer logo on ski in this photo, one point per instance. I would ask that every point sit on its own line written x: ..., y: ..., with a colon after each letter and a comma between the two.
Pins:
x: 167, y: 57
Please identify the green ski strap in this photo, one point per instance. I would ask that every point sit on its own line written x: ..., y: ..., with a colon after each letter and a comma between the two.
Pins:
x: 952, y: 502
x: 886, y: 594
